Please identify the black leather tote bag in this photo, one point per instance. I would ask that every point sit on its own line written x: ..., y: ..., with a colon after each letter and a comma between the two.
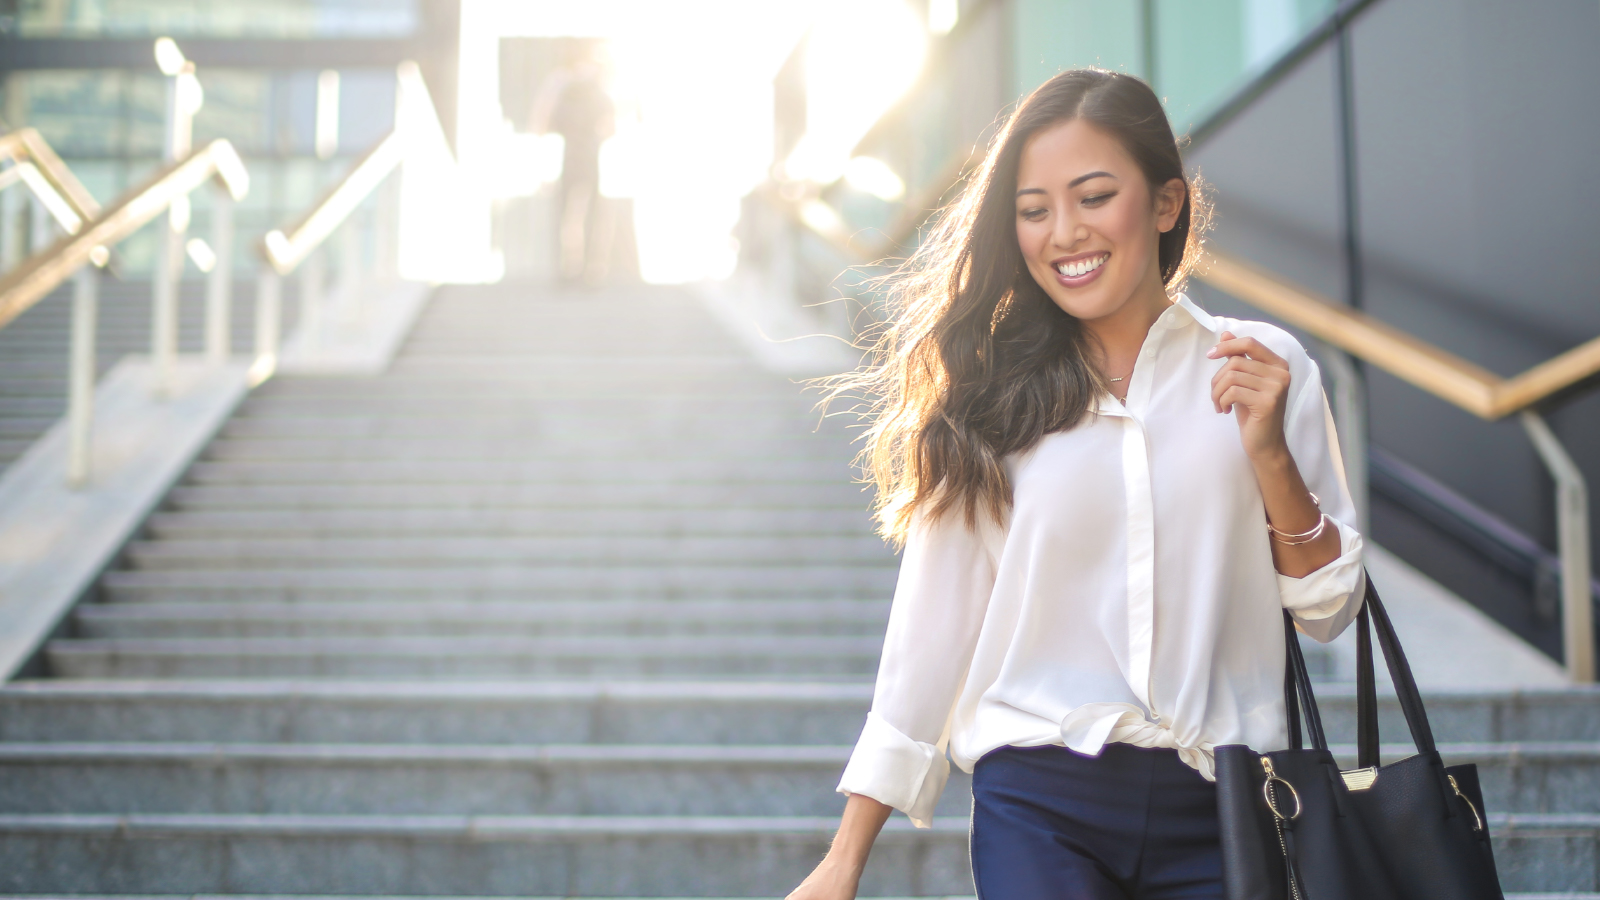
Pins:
x: 1294, y: 827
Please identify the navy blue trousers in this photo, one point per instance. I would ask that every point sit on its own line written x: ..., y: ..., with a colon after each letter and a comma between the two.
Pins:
x: 1130, y: 824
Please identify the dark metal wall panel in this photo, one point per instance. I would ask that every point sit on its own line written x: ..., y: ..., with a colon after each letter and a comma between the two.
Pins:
x: 1274, y: 174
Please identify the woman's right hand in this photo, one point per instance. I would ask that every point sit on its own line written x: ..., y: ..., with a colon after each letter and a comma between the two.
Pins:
x: 830, y: 880
x: 839, y: 873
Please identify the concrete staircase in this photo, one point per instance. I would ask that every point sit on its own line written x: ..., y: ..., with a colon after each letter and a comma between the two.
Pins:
x: 574, y: 601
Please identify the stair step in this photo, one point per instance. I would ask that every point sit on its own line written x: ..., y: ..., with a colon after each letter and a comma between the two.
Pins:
x: 635, y: 779
x: 605, y: 779
x: 410, y: 779
x: 596, y: 711
x: 667, y: 580
x: 707, y: 468
x: 823, y: 448
x: 443, y: 553
x: 499, y: 496
x: 587, y: 712
x: 566, y: 855
x: 615, y: 409
x: 558, y: 856
x: 529, y: 428
x: 190, y: 524
x: 390, y: 618
x: 1509, y: 895
x: 466, y: 657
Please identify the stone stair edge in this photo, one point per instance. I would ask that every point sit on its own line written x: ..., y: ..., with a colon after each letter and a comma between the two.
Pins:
x: 218, y: 752
x: 275, y: 689
x: 1508, y: 896
x: 567, y: 827
x: 636, y: 688
x: 469, y: 827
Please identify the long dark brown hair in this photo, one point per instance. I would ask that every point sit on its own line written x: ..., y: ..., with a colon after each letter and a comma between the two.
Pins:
x: 977, y: 361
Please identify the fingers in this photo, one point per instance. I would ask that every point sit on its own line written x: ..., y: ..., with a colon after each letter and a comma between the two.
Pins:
x: 1269, y: 382
x: 1230, y: 346
x: 1238, y: 394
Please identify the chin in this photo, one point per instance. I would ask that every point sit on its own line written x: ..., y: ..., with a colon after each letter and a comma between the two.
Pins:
x: 1087, y: 305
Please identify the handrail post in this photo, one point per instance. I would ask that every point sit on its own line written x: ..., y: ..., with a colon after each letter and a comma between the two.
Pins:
x: 386, y: 227
x: 10, y: 236
x: 184, y: 99
x: 219, y: 283
x: 1350, y: 418
x: 164, y: 299
x: 350, y: 294
x: 312, y: 276
x: 269, y: 323
x: 39, y: 226
x: 81, y: 374
x: 1572, y: 527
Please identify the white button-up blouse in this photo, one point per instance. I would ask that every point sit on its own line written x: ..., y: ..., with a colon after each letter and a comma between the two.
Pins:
x: 1129, y: 596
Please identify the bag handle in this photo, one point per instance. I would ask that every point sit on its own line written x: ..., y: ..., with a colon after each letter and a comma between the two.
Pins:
x: 1405, y: 684
x: 1298, y: 695
x: 1297, y: 681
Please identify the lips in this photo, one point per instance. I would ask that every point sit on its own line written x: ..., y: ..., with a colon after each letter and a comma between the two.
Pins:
x: 1077, y: 268
x: 1077, y: 271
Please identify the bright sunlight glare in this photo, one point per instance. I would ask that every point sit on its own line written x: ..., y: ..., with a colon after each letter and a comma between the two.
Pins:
x: 692, y: 82
x: 860, y: 57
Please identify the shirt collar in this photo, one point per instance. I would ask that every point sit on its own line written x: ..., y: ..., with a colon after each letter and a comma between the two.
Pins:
x: 1180, y: 313
x: 1201, y: 317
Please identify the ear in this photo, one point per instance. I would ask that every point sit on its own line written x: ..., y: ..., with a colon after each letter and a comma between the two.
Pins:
x: 1169, y: 202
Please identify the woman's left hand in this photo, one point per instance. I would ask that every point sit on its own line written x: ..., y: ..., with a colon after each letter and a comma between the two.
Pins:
x: 1254, y: 383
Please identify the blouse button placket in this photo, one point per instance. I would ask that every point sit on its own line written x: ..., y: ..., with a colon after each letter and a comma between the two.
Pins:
x: 1141, y: 515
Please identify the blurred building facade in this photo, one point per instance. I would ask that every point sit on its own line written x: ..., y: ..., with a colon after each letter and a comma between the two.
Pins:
x: 302, y: 88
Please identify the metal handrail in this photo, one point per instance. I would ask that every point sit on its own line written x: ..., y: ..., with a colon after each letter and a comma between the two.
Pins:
x: 166, y: 190
x: 1439, y: 372
x: 283, y: 250
x: 44, y: 271
x: 37, y: 164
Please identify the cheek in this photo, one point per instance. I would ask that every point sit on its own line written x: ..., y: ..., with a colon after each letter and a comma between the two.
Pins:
x: 1128, y: 225
x: 1030, y: 238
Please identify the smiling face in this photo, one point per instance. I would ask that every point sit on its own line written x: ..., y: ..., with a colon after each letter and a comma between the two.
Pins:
x: 1088, y: 223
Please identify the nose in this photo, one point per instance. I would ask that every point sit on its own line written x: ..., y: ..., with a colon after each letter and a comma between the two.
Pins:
x: 1068, y: 230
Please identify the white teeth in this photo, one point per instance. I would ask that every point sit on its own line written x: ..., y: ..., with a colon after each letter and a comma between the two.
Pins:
x: 1082, y: 266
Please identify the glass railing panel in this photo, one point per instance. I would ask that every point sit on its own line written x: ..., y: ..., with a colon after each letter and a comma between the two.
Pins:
x: 1196, y: 52
x: 1051, y: 35
x: 1205, y: 50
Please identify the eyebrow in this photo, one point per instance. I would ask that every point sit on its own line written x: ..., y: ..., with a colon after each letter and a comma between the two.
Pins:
x: 1071, y: 184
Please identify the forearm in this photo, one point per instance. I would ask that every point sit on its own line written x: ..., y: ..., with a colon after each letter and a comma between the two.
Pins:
x: 837, y: 876
x: 863, y: 819
x: 1291, y: 510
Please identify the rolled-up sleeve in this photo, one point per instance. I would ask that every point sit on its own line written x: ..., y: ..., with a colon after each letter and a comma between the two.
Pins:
x: 946, y: 576
x: 1323, y: 602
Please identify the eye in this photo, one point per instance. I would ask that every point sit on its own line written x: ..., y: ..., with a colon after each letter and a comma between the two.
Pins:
x: 1098, y: 199
x: 1033, y: 213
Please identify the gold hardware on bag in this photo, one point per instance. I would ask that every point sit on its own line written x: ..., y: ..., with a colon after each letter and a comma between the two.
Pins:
x: 1477, y: 819
x: 1359, y: 779
x: 1279, y: 819
x: 1272, y: 802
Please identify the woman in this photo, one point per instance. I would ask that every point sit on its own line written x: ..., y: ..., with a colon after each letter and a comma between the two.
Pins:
x: 1107, y: 496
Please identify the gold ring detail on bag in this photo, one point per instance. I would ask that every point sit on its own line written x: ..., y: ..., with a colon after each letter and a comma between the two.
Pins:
x: 1272, y: 802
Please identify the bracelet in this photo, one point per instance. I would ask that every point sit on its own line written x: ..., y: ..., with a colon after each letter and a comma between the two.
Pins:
x: 1305, y: 537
